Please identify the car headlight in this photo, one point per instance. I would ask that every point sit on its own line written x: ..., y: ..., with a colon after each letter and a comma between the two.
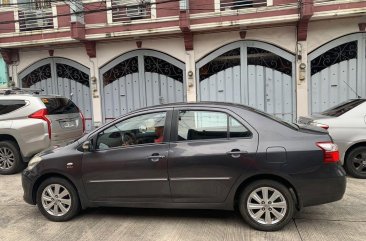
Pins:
x: 34, y: 161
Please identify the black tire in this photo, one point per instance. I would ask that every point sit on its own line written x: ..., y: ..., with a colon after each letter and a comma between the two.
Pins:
x: 357, y: 170
x: 18, y: 164
x: 273, y: 185
x: 74, y: 207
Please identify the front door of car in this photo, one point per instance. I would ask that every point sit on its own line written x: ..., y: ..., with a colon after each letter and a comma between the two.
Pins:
x: 209, y: 150
x: 129, y: 163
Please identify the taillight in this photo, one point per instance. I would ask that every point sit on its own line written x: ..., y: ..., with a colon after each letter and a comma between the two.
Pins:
x: 330, y: 152
x: 41, y: 114
x: 83, y: 120
x: 324, y: 126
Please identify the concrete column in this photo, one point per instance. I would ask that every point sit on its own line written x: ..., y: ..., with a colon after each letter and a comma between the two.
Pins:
x: 191, y: 77
x: 95, y: 85
x: 302, y: 79
x: 109, y: 12
x: 13, y: 73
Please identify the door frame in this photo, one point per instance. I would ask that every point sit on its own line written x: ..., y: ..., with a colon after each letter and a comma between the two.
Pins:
x: 361, y: 61
x: 243, y: 44
x: 59, y: 60
x: 139, y: 53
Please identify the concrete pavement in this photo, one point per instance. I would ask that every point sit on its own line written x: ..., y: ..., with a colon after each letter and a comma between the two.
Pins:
x: 343, y: 220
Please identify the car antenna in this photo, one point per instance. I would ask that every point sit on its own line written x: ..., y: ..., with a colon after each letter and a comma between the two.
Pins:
x: 359, y: 97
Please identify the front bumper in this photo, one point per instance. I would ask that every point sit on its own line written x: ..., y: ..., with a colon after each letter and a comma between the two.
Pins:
x: 27, y: 184
x: 326, y: 185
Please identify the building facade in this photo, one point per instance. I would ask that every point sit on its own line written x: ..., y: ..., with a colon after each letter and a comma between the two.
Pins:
x: 110, y: 57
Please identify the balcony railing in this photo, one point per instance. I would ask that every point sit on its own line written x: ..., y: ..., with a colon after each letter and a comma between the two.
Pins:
x: 5, y: 2
x: 35, y: 16
x: 239, y: 4
x: 127, y: 10
x: 35, y: 19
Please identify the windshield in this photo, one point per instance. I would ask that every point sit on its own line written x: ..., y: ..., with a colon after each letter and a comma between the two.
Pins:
x: 342, y: 107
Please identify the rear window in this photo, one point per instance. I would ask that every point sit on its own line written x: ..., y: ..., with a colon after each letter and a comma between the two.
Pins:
x: 275, y: 118
x: 7, y: 106
x: 56, y: 106
x: 342, y: 107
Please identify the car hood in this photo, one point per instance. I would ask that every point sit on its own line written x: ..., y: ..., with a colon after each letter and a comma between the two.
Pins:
x: 58, y: 147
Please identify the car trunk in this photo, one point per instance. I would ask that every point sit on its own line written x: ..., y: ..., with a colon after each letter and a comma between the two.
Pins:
x: 308, y: 119
x: 312, y: 129
x: 65, y: 119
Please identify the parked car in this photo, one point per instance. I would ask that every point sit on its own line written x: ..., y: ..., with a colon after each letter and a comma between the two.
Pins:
x: 30, y: 123
x: 192, y: 155
x: 346, y: 123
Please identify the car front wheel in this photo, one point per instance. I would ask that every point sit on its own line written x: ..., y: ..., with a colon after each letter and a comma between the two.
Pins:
x: 57, y: 199
x: 266, y: 205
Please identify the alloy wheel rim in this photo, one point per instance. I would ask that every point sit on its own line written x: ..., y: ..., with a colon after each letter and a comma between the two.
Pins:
x: 266, y: 205
x: 7, y: 158
x: 56, y: 200
x: 359, y: 162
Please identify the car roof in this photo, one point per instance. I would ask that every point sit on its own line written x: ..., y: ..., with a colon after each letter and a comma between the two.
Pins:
x: 199, y: 103
x: 31, y: 95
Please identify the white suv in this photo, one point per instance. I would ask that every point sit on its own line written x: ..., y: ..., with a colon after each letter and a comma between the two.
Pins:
x: 30, y: 123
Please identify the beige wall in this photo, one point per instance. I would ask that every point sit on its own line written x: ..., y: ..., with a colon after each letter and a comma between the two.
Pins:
x: 109, y: 50
x: 283, y: 37
x: 76, y: 53
x: 321, y: 32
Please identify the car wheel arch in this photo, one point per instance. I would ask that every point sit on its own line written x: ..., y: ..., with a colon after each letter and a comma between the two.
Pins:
x: 7, y: 137
x: 49, y: 175
x: 244, y: 183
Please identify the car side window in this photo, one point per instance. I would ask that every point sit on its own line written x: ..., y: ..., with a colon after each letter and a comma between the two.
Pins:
x: 7, y: 106
x: 236, y: 129
x: 142, y: 129
x: 201, y: 125
x: 198, y: 125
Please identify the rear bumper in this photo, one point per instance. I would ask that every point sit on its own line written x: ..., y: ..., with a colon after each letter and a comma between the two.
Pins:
x: 323, y: 186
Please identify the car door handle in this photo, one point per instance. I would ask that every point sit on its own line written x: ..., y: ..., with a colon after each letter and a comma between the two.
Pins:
x: 236, y: 153
x: 155, y: 157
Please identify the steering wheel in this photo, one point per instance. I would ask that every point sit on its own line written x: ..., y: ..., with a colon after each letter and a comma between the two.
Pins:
x: 128, y: 138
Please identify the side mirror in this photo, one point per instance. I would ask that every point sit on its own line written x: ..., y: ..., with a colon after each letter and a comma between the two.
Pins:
x: 86, y: 146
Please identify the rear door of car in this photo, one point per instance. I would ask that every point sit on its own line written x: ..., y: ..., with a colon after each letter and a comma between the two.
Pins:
x: 210, y: 148
x: 65, y: 118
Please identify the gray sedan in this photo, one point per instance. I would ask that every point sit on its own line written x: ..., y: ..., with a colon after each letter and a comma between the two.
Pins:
x: 191, y: 155
x: 346, y: 123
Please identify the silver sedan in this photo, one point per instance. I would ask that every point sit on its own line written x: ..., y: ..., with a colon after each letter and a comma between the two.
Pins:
x: 346, y: 124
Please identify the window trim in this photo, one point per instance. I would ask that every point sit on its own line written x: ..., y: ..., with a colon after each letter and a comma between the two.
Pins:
x: 167, y: 129
x: 175, y: 118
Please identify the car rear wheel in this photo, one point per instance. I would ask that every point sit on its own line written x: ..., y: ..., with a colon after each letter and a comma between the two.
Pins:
x: 10, y: 159
x: 266, y: 205
x: 355, y: 164
x: 57, y: 199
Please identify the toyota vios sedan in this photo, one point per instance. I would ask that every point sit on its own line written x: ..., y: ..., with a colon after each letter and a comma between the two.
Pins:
x: 192, y: 155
